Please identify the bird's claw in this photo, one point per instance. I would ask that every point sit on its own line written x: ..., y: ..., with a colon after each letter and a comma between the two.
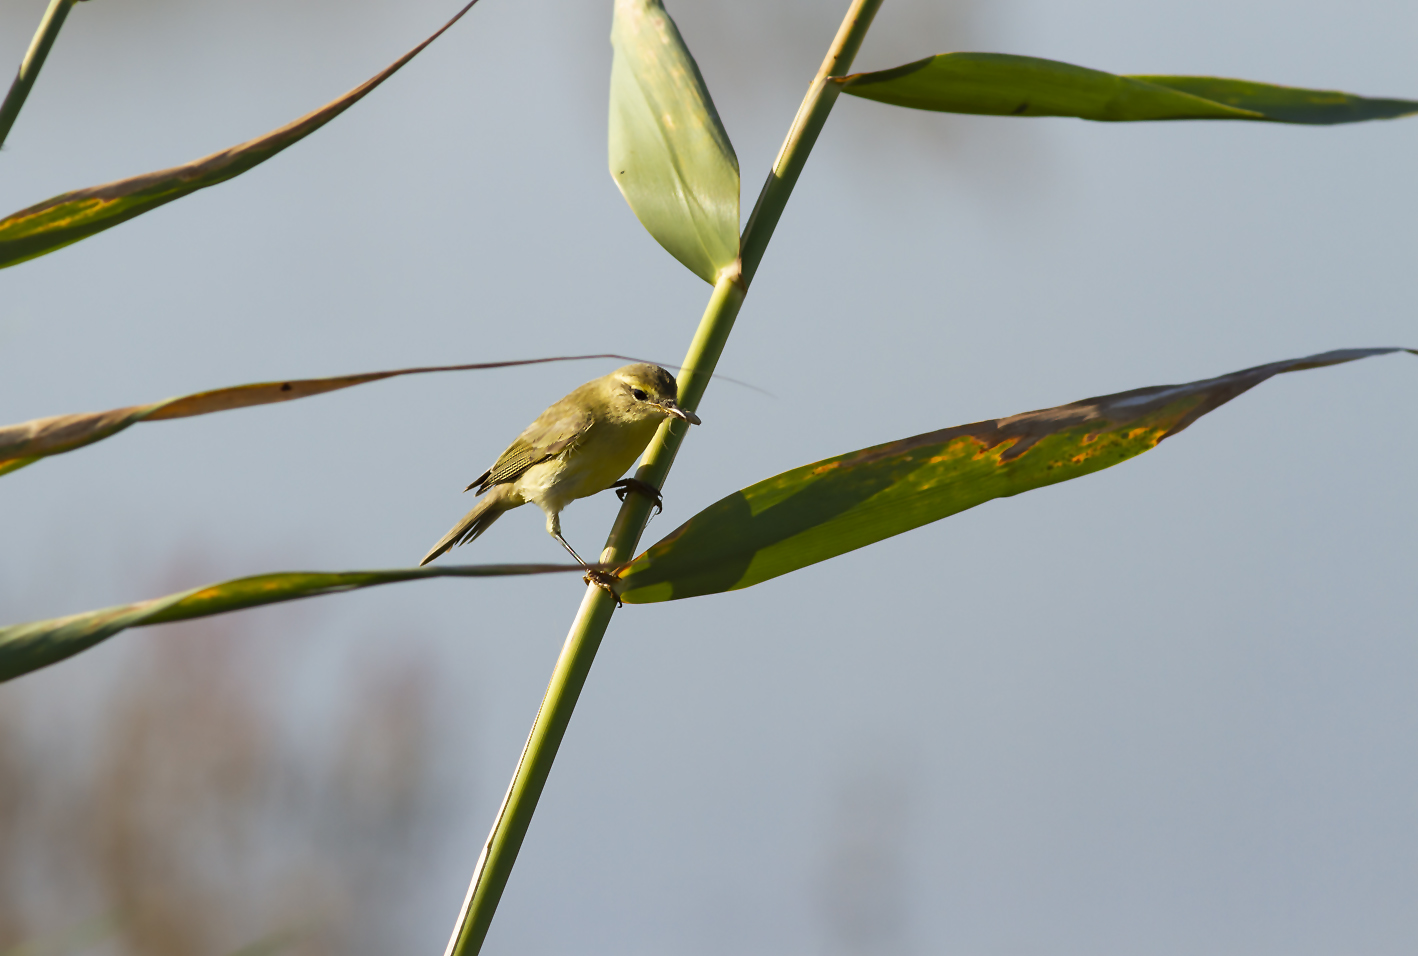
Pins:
x: 606, y: 581
x: 626, y: 485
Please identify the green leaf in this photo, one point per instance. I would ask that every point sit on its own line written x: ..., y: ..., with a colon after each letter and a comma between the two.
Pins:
x: 28, y: 647
x: 28, y: 442
x: 73, y: 216
x: 669, y: 153
x: 998, y: 84
x: 1287, y: 104
x: 834, y: 506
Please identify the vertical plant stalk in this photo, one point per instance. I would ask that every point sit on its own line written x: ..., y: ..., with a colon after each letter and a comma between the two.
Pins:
x: 499, y: 853
x: 34, y: 59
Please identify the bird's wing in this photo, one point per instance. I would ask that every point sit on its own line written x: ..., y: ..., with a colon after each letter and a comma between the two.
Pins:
x: 550, y: 435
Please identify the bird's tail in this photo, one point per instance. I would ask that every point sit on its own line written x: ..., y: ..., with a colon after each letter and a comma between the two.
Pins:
x: 475, y: 522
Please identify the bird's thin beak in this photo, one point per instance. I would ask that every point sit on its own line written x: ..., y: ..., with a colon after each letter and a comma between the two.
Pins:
x: 672, y: 409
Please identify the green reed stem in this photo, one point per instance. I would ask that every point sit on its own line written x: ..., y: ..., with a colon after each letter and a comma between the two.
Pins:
x: 499, y: 853
x: 34, y: 59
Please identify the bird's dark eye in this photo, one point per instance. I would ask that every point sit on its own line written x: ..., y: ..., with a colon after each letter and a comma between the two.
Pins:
x: 639, y: 395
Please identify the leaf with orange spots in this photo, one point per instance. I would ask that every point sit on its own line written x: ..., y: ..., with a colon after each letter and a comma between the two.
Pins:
x: 28, y: 647
x: 68, y: 218
x: 1001, y: 84
x: 834, y: 506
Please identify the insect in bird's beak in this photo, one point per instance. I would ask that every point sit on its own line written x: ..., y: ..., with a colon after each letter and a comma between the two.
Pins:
x: 672, y: 409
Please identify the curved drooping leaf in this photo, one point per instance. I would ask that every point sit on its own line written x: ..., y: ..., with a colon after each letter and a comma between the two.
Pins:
x: 834, y: 506
x: 28, y: 442
x: 669, y: 153
x: 999, y: 84
x: 73, y: 216
x: 28, y: 647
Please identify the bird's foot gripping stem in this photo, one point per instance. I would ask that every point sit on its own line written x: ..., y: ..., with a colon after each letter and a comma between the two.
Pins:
x: 626, y: 485
x: 606, y: 581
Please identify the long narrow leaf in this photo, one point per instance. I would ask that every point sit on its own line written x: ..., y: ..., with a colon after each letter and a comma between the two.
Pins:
x: 67, y: 218
x: 1287, y: 104
x: 669, y: 153
x: 28, y: 442
x: 28, y: 647
x: 830, y: 507
x: 999, y: 84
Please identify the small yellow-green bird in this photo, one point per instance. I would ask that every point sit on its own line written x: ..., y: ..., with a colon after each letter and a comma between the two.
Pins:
x: 575, y: 448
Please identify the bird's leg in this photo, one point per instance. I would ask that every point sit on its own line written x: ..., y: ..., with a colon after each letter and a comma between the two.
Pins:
x: 601, y: 579
x: 626, y: 485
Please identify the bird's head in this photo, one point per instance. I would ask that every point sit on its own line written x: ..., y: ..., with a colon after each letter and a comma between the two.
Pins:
x: 644, y: 391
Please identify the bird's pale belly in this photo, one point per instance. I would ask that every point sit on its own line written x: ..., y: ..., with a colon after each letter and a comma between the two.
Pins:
x: 601, y: 457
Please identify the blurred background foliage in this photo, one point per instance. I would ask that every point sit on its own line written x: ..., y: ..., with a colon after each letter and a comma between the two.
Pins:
x: 193, y: 816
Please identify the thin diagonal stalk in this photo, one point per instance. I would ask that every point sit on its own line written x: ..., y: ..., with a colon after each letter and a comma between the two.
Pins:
x: 34, y: 59
x: 499, y: 853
